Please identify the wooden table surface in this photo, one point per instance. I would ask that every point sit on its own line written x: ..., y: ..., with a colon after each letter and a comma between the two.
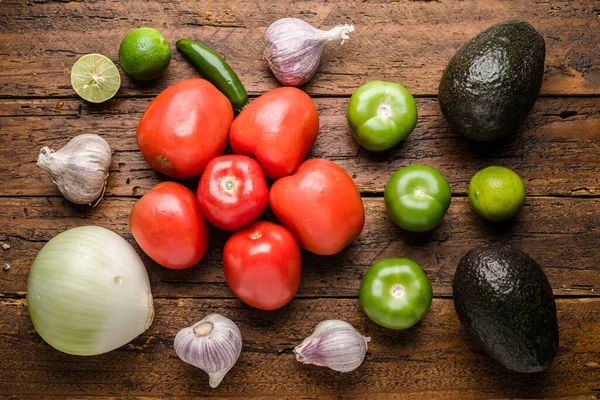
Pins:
x: 556, y: 151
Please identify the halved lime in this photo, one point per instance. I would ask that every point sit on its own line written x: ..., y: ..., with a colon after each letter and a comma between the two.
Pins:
x: 95, y: 78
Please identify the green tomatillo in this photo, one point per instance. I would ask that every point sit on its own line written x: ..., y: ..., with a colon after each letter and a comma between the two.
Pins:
x: 417, y: 198
x: 395, y: 293
x: 381, y: 114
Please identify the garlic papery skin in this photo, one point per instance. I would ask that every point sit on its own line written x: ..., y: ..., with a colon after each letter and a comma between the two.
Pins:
x: 293, y: 48
x: 334, y: 344
x: 80, y: 169
x: 213, y: 344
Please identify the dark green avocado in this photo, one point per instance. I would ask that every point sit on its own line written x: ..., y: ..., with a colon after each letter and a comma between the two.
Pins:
x: 504, y: 301
x: 492, y: 82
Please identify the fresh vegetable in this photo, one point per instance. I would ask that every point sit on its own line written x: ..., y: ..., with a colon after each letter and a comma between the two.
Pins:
x: 505, y: 303
x: 497, y: 193
x: 213, y: 344
x: 395, y: 293
x: 492, y: 82
x: 167, y: 224
x: 381, y: 114
x: 293, y: 48
x: 80, y: 169
x: 88, y: 292
x: 216, y: 70
x: 184, y: 128
x: 321, y: 205
x: 95, y: 78
x: 334, y: 344
x: 262, y: 265
x: 144, y: 54
x: 232, y: 192
x: 278, y: 129
x: 417, y: 198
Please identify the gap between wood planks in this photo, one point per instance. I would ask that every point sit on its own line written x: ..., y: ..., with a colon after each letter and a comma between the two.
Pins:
x: 366, y: 195
x: 254, y: 95
x: 23, y: 295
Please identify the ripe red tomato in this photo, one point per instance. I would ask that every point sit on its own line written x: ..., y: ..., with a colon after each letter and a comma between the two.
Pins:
x: 321, y: 205
x: 167, y: 224
x: 184, y: 128
x: 232, y: 192
x: 262, y: 265
x: 278, y: 128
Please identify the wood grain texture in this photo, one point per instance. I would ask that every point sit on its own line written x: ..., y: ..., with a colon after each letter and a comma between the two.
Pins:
x: 432, y: 360
x: 409, y: 42
x: 556, y: 151
x: 561, y: 234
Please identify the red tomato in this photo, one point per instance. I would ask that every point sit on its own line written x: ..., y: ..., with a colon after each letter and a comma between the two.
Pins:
x: 262, y: 265
x: 184, y: 128
x: 167, y: 224
x: 232, y: 192
x: 321, y: 205
x: 278, y: 128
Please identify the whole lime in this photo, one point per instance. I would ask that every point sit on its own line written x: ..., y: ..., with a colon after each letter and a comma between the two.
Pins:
x: 497, y: 193
x: 144, y: 54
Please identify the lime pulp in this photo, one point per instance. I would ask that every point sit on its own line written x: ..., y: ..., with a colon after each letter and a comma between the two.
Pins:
x: 95, y: 78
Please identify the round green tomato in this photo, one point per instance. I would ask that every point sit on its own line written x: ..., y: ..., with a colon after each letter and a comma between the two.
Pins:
x: 417, y: 198
x: 395, y: 293
x: 381, y: 114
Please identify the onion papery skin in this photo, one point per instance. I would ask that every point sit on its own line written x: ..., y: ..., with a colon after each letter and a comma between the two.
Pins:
x: 88, y: 292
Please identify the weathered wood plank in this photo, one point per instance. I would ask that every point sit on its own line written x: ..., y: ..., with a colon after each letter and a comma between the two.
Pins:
x: 556, y: 151
x: 433, y: 360
x: 406, y: 42
x: 563, y: 235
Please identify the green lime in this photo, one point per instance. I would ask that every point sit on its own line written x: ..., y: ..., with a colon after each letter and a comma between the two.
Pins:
x: 497, y: 193
x: 144, y: 54
x: 95, y: 78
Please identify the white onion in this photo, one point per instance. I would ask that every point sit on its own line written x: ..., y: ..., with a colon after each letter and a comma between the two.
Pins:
x: 88, y: 292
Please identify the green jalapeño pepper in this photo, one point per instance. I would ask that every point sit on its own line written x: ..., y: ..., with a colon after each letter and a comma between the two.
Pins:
x: 395, y: 293
x: 417, y: 198
x: 381, y: 114
x: 216, y: 71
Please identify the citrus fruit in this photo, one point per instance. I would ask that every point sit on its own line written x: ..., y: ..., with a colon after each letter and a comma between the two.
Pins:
x: 496, y: 193
x: 95, y: 78
x: 144, y: 54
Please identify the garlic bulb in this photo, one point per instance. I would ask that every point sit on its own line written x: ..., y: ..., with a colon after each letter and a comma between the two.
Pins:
x: 213, y: 345
x: 293, y: 48
x: 80, y: 169
x: 334, y: 344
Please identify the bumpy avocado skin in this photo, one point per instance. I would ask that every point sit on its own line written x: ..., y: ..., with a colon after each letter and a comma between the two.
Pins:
x: 504, y: 301
x: 492, y: 82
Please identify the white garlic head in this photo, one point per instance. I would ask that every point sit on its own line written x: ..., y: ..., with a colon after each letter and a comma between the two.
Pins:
x: 213, y: 344
x: 334, y: 344
x: 80, y: 169
x: 293, y: 48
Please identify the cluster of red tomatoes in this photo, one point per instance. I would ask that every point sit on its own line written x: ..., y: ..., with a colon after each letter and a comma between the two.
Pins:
x: 183, y: 133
